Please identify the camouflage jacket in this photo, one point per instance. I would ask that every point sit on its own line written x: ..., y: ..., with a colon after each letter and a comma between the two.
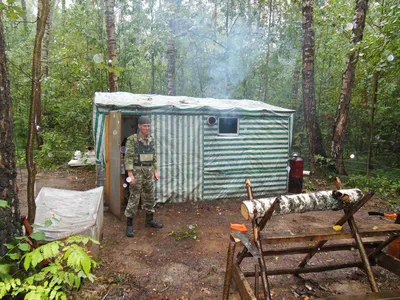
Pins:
x: 132, y: 149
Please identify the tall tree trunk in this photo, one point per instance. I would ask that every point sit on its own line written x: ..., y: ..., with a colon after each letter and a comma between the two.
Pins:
x: 171, y: 53
x: 152, y: 57
x: 9, y: 217
x: 24, y: 15
x: 347, y: 86
x: 153, y: 73
x: 44, y: 71
x: 371, y: 123
x: 171, y: 67
x: 111, y: 45
x: 43, y: 10
x: 46, y: 40
x: 228, y: 85
x: 310, y: 116
x: 266, y: 90
x: 295, y: 85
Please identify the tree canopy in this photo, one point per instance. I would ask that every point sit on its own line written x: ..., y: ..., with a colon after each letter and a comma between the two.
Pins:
x: 223, y: 49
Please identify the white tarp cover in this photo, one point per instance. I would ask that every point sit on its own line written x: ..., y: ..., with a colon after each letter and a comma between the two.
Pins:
x: 71, y: 212
x: 123, y: 99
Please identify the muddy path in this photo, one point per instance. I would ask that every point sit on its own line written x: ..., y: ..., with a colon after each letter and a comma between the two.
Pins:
x: 177, y: 262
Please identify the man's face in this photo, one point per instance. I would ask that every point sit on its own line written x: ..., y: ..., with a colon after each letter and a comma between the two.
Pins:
x: 144, y: 129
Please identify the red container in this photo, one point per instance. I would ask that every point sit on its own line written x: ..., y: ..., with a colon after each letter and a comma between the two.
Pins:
x: 296, y: 164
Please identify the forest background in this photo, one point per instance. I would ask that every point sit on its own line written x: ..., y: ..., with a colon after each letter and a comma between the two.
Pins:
x: 233, y: 49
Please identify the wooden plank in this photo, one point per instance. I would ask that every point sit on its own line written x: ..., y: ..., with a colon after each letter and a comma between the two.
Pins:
x: 388, y: 262
x: 329, y: 233
x: 326, y: 248
x: 242, y: 285
x: 382, y: 246
x: 371, y: 296
x: 229, y: 265
x: 114, y: 163
x: 309, y: 269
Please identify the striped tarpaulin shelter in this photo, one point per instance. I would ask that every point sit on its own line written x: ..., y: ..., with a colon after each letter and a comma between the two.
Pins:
x: 207, y: 147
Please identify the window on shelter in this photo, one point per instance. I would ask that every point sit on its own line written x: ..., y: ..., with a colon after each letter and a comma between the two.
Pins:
x: 228, y: 126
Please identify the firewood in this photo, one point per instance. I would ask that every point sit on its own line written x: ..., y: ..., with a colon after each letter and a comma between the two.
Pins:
x: 300, y: 203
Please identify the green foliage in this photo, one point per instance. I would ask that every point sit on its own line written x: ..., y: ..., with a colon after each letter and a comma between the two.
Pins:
x: 190, y: 233
x: 308, y: 185
x: 221, y: 51
x: 47, y: 272
x: 325, y: 165
x: 3, y: 204
x: 384, y: 183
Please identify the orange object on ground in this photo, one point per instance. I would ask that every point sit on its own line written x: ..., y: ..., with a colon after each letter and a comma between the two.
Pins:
x: 392, y: 216
x: 238, y: 227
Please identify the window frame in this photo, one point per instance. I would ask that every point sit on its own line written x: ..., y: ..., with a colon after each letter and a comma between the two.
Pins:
x: 229, y: 134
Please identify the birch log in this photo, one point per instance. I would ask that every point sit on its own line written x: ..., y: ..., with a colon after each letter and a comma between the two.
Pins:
x: 301, y: 203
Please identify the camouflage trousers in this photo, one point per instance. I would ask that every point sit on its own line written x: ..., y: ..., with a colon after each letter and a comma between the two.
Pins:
x: 142, y: 189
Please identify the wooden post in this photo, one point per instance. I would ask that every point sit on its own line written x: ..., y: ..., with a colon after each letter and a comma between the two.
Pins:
x: 311, y: 253
x: 229, y: 266
x: 256, y: 279
x: 114, y: 162
x: 352, y: 210
x: 107, y: 159
x: 363, y: 254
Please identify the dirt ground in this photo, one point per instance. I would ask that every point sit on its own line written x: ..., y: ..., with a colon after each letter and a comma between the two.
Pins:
x: 156, y: 264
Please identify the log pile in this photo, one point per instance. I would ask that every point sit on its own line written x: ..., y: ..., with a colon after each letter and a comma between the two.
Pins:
x: 300, y: 203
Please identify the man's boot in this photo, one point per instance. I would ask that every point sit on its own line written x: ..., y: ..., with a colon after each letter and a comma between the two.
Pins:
x: 151, y: 223
x: 129, y: 227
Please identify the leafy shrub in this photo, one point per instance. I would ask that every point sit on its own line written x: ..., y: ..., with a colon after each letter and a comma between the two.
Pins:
x: 326, y: 166
x: 47, y: 272
x: 384, y: 183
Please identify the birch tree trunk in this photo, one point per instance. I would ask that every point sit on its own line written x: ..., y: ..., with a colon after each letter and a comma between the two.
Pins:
x: 9, y: 217
x: 300, y: 203
x: 43, y: 10
x: 347, y: 86
x: 111, y: 45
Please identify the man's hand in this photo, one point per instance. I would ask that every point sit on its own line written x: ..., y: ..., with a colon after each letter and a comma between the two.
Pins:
x: 155, y: 175
x: 132, y: 178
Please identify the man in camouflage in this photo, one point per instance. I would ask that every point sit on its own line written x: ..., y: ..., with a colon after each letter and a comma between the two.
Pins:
x: 141, y: 165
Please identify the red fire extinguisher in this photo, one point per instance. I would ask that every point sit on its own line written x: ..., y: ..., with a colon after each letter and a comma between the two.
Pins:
x: 296, y: 164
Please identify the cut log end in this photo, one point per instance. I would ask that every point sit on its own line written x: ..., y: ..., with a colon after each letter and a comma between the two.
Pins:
x: 245, y: 212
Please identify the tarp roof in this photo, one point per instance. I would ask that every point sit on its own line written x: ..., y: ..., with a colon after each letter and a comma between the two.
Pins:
x: 125, y: 100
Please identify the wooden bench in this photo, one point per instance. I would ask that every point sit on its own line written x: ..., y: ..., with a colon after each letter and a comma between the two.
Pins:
x: 369, y: 242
